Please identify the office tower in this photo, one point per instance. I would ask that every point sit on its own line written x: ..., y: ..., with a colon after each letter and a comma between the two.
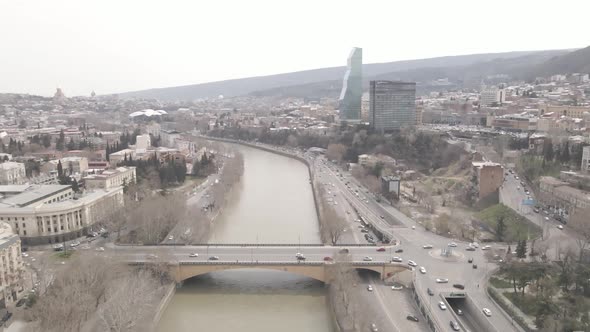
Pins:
x: 352, y: 89
x: 392, y: 105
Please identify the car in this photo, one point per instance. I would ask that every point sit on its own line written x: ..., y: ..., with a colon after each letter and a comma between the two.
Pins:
x: 474, y: 266
x: 474, y: 244
x: 370, y: 288
x: 442, y: 280
x: 361, y: 226
x: 518, y: 188
x: 74, y: 244
x: 546, y: 218
x: 430, y: 292
x: 422, y: 270
x: 527, y: 192
x: 427, y: 246
x: 300, y: 257
x: 214, y: 258
x: 454, y: 326
x: 367, y: 259
x: 442, y: 306
x: 396, y: 259
x: 374, y: 328
x: 152, y: 256
x: 470, y: 248
x: 328, y: 259
x: 171, y: 237
x: 560, y: 226
x: 459, y: 286
x: 100, y: 249
x: 344, y: 251
x: 58, y: 247
x: 193, y: 255
x: 382, y: 217
x: 20, y: 302
x: 412, y: 318
x: 24, y: 254
x: 452, y: 244
x: 397, y: 287
x: 459, y: 312
x: 487, y: 312
x: 536, y: 210
x: 486, y: 247
x: 381, y: 249
x: 364, y: 230
x: 412, y: 263
x: 470, y: 260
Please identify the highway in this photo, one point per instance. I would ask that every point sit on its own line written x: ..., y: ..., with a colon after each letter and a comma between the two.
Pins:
x: 454, y: 268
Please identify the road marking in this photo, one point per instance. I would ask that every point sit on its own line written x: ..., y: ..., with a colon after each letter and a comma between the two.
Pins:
x: 380, y: 299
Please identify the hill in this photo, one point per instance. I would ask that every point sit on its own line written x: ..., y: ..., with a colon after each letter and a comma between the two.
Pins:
x: 301, y: 79
x: 574, y: 62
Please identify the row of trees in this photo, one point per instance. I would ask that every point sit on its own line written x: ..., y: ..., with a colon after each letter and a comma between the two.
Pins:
x: 93, y: 293
x: 159, y: 175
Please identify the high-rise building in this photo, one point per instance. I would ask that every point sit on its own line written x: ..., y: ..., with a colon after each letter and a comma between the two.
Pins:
x: 352, y: 88
x: 392, y: 105
x: 586, y: 159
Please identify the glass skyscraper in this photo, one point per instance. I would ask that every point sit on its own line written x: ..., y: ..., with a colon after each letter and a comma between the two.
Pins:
x: 392, y: 105
x: 352, y: 88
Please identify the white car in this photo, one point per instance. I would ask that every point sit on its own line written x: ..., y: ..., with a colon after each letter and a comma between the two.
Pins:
x: 422, y: 270
x: 398, y: 287
x: 442, y: 280
x: 474, y: 244
x: 370, y: 288
x: 100, y: 249
x: 397, y: 259
x: 374, y: 328
x: 442, y: 306
x: 487, y: 312
x: 412, y: 263
x: 75, y: 244
x: 171, y: 237
x: 452, y: 244
x: 560, y: 226
x: 486, y: 247
x: 193, y: 255
x: 427, y: 246
x: 368, y: 259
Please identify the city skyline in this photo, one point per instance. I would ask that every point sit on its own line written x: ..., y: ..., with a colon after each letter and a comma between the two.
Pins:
x: 65, y: 45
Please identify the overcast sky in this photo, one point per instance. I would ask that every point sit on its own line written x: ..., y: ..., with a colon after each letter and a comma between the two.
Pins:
x: 121, y: 45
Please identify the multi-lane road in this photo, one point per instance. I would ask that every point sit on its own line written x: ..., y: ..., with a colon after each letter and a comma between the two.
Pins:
x: 413, y: 237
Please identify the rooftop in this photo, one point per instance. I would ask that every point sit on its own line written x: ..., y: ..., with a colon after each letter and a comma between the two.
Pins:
x: 33, y: 194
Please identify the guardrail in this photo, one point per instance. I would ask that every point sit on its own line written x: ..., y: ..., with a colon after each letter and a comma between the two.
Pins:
x: 426, y: 309
x: 258, y: 263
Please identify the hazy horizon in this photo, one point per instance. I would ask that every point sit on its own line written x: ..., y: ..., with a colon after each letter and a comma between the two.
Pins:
x: 112, y: 47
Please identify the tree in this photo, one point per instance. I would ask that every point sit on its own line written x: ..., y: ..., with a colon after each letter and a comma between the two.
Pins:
x: 565, y: 154
x: 332, y: 225
x: 521, y: 249
x: 500, y: 228
x: 60, y: 144
x: 581, y: 228
x: 46, y: 141
x: 548, y: 152
x: 22, y: 124
x: 60, y: 170
x: 335, y: 152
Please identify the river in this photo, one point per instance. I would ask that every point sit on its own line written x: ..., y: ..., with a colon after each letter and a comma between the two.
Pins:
x: 273, y: 203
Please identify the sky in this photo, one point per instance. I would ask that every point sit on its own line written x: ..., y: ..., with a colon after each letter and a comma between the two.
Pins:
x: 111, y: 46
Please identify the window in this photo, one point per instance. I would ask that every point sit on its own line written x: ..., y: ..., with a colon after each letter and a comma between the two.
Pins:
x: 24, y: 225
x: 62, y: 227
x: 25, y: 233
x: 49, y: 229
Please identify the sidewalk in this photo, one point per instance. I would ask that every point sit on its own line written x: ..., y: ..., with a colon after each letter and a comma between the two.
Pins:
x: 529, y: 320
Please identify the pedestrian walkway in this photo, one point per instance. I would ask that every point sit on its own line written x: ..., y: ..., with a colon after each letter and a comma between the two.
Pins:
x: 529, y: 320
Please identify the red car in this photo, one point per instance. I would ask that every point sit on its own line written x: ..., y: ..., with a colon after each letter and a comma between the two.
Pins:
x: 381, y: 249
x: 328, y: 259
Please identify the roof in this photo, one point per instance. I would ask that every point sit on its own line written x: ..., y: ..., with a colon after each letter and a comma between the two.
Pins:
x: 34, y: 194
x: 11, y: 165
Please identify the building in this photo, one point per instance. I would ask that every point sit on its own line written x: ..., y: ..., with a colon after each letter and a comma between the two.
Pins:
x: 566, y: 110
x: 12, y: 173
x: 419, y: 111
x: 168, y: 138
x: 108, y: 179
x: 42, y: 214
x: 70, y: 165
x: 559, y: 195
x: 352, y: 89
x: 119, y: 156
x: 11, y: 265
x: 490, y: 177
x: 392, y: 105
x: 143, y: 142
x: 492, y: 97
x: 514, y: 122
x: 390, y: 185
x: 585, y: 167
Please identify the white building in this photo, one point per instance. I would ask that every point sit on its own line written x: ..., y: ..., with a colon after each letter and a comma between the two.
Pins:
x: 143, y: 142
x: 168, y: 138
x: 586, y: 159
x: 43, y: 214
x: 491, y: 96
x: 12, y: 173
x: 110, y: 178
x: 11, y: 265
x: 70, y: 165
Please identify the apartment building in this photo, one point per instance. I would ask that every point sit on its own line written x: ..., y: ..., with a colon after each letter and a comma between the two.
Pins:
x: 12, y: 173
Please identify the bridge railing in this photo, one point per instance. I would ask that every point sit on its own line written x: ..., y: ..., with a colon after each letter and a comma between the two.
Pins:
x: 268, y: 245
x: 258, y: 263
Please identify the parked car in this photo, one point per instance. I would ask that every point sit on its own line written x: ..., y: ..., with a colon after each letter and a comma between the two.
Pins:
x: 427, y: 246
x: 487, y: 247
x: 452, y: 244
x: 470, y: 248
x: 74, y: 244
x: 412, y: 318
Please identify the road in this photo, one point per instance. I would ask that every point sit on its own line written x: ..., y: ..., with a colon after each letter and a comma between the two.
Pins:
x: 412, y: 237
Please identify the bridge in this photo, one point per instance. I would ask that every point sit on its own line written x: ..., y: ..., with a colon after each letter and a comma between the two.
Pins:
x: 185, y: 262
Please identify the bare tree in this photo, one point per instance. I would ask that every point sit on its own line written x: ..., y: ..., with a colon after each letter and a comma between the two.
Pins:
x: 335, y: 152
x: 580, y: 225
x: 332, y: 226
